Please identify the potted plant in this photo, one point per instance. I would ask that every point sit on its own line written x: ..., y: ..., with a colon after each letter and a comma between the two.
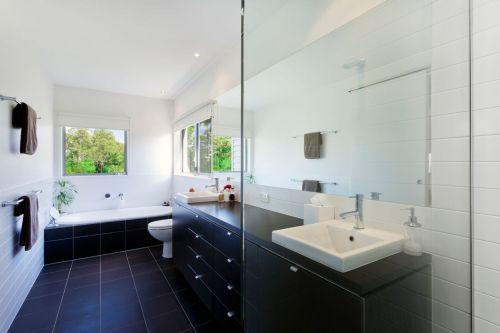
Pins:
x: 64, y: 193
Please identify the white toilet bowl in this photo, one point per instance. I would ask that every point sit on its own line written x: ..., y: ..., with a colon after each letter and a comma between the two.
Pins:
x: 162, y: 231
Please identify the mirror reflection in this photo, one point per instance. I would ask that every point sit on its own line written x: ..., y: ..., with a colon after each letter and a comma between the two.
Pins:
x: 341, y: 117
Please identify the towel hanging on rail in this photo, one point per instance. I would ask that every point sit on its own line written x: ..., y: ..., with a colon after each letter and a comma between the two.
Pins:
x: 24, y: 117
x: 312, y: 145
x: 311, y: 185
x: 28, y: 207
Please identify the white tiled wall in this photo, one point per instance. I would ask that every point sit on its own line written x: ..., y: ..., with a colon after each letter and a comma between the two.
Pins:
x: 22, y: 75
x: 19, y: 268
x: 486, y: 163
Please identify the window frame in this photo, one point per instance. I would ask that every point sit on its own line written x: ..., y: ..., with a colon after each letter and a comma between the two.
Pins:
x: 63, y: 153
x: 180, y: 168
x: 244, y: 145
x: 196, y: 148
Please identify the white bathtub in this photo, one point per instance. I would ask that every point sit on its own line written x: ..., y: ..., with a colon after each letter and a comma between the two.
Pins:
x: 122, y: 214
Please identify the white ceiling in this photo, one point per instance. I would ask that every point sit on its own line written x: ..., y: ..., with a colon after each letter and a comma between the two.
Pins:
x: 138, y: 47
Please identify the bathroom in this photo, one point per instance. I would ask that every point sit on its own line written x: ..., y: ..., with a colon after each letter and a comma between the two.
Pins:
x: 250, y: 166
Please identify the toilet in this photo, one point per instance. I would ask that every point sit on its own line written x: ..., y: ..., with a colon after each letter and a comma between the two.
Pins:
x: 162, y: 231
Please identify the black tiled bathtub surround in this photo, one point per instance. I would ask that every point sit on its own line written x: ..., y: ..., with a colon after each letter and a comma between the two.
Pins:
x: 68, y: 242
x: 126, y: 292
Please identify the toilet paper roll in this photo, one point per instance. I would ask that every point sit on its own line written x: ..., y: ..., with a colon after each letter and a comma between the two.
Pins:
x: 316, y: 213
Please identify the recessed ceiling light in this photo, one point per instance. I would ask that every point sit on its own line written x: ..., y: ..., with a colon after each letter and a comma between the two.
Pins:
x: 196, y: 55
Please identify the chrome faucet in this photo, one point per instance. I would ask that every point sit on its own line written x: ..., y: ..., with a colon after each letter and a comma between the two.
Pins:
x: 215, y: 185
x: 121, y: 196
x: 357, y: 213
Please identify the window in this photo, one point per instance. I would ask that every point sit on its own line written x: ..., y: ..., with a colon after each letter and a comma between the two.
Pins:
x: 91, y: 151
x: 197, y: 148
x: 202, y: 152
x: 227, y: 154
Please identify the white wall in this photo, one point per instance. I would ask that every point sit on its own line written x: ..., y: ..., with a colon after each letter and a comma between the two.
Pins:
x: 23, y: 77
x: 149, y: 169
x: 486, y: 166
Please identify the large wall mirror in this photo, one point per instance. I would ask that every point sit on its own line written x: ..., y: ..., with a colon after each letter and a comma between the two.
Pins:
x: 346, y: 113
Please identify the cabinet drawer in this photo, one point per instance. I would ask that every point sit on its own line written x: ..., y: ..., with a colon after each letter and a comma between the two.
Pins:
x: 228, y: 268
x: 195, y: 260
x: 195, y: 277
x: 228, y: 243
x: 199, y: 245
x: 202, y: 227
x: 226, y: 318
x: 227, y: 295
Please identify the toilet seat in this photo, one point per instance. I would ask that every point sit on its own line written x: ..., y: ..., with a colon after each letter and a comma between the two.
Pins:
x: 160, y: 224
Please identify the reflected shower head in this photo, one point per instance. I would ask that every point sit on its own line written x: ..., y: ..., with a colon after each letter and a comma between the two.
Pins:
x: 359, y: 63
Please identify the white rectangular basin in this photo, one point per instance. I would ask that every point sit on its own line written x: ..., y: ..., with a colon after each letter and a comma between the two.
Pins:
x: 338, y: 245
x: 194, y: 197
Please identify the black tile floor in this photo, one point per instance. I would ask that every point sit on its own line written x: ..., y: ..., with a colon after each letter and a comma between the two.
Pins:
x: 126, y: 292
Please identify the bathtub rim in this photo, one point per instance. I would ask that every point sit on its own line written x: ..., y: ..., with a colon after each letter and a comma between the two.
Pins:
x: 62, y: 222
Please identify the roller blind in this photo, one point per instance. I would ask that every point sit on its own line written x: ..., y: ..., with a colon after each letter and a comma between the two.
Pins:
x: 197, y: 115
x: 93, y: 121
x: 227, y: 122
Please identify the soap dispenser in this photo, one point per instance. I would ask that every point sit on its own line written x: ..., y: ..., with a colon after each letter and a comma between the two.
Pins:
x: 413, y: 232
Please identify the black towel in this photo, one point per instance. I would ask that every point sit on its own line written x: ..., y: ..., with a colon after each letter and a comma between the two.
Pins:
x: 24, y: 117
x: 312, y: 145
x: 28, y: 207
x: 311, y: 185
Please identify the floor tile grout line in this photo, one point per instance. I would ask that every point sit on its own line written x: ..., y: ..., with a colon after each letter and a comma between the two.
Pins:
x: 62, y: 298
x: 137, y: 293
x: 100, y: 294
x: 173, y: 292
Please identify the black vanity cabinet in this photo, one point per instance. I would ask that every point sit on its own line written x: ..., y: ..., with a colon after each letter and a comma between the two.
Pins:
x: 210, y: 260
x: 282, y: 297
x: 285, y: 292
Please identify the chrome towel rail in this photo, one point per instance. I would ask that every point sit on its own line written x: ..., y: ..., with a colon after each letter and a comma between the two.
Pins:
x: 324, y: 132
x: 18, y: 201
x: 321, y: 182
x: 8, y: 98
x: 12, y: 99
x: 390, y: 78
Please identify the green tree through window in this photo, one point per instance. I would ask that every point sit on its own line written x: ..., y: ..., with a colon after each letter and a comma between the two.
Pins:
x: 222, y: 154
x: 94, y: 151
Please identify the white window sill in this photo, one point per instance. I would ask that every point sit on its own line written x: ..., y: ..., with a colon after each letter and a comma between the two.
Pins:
x: 188, y: 175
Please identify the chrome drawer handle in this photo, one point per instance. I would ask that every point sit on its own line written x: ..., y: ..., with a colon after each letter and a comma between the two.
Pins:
x: 229, y: 287
x: 229, y: 233
x: 197, y: 256
x: 229, y: 260
x: 294, y: 269
x: 230, y: 314
x: 199, y: 276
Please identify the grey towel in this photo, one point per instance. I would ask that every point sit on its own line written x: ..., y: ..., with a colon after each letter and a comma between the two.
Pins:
x: 312, y: 145
x: 311, y: 185
x: 29, y: 230
x: 24, y: 117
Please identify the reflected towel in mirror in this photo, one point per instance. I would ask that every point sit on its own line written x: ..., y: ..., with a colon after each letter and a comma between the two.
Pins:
x: 312, y: 145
